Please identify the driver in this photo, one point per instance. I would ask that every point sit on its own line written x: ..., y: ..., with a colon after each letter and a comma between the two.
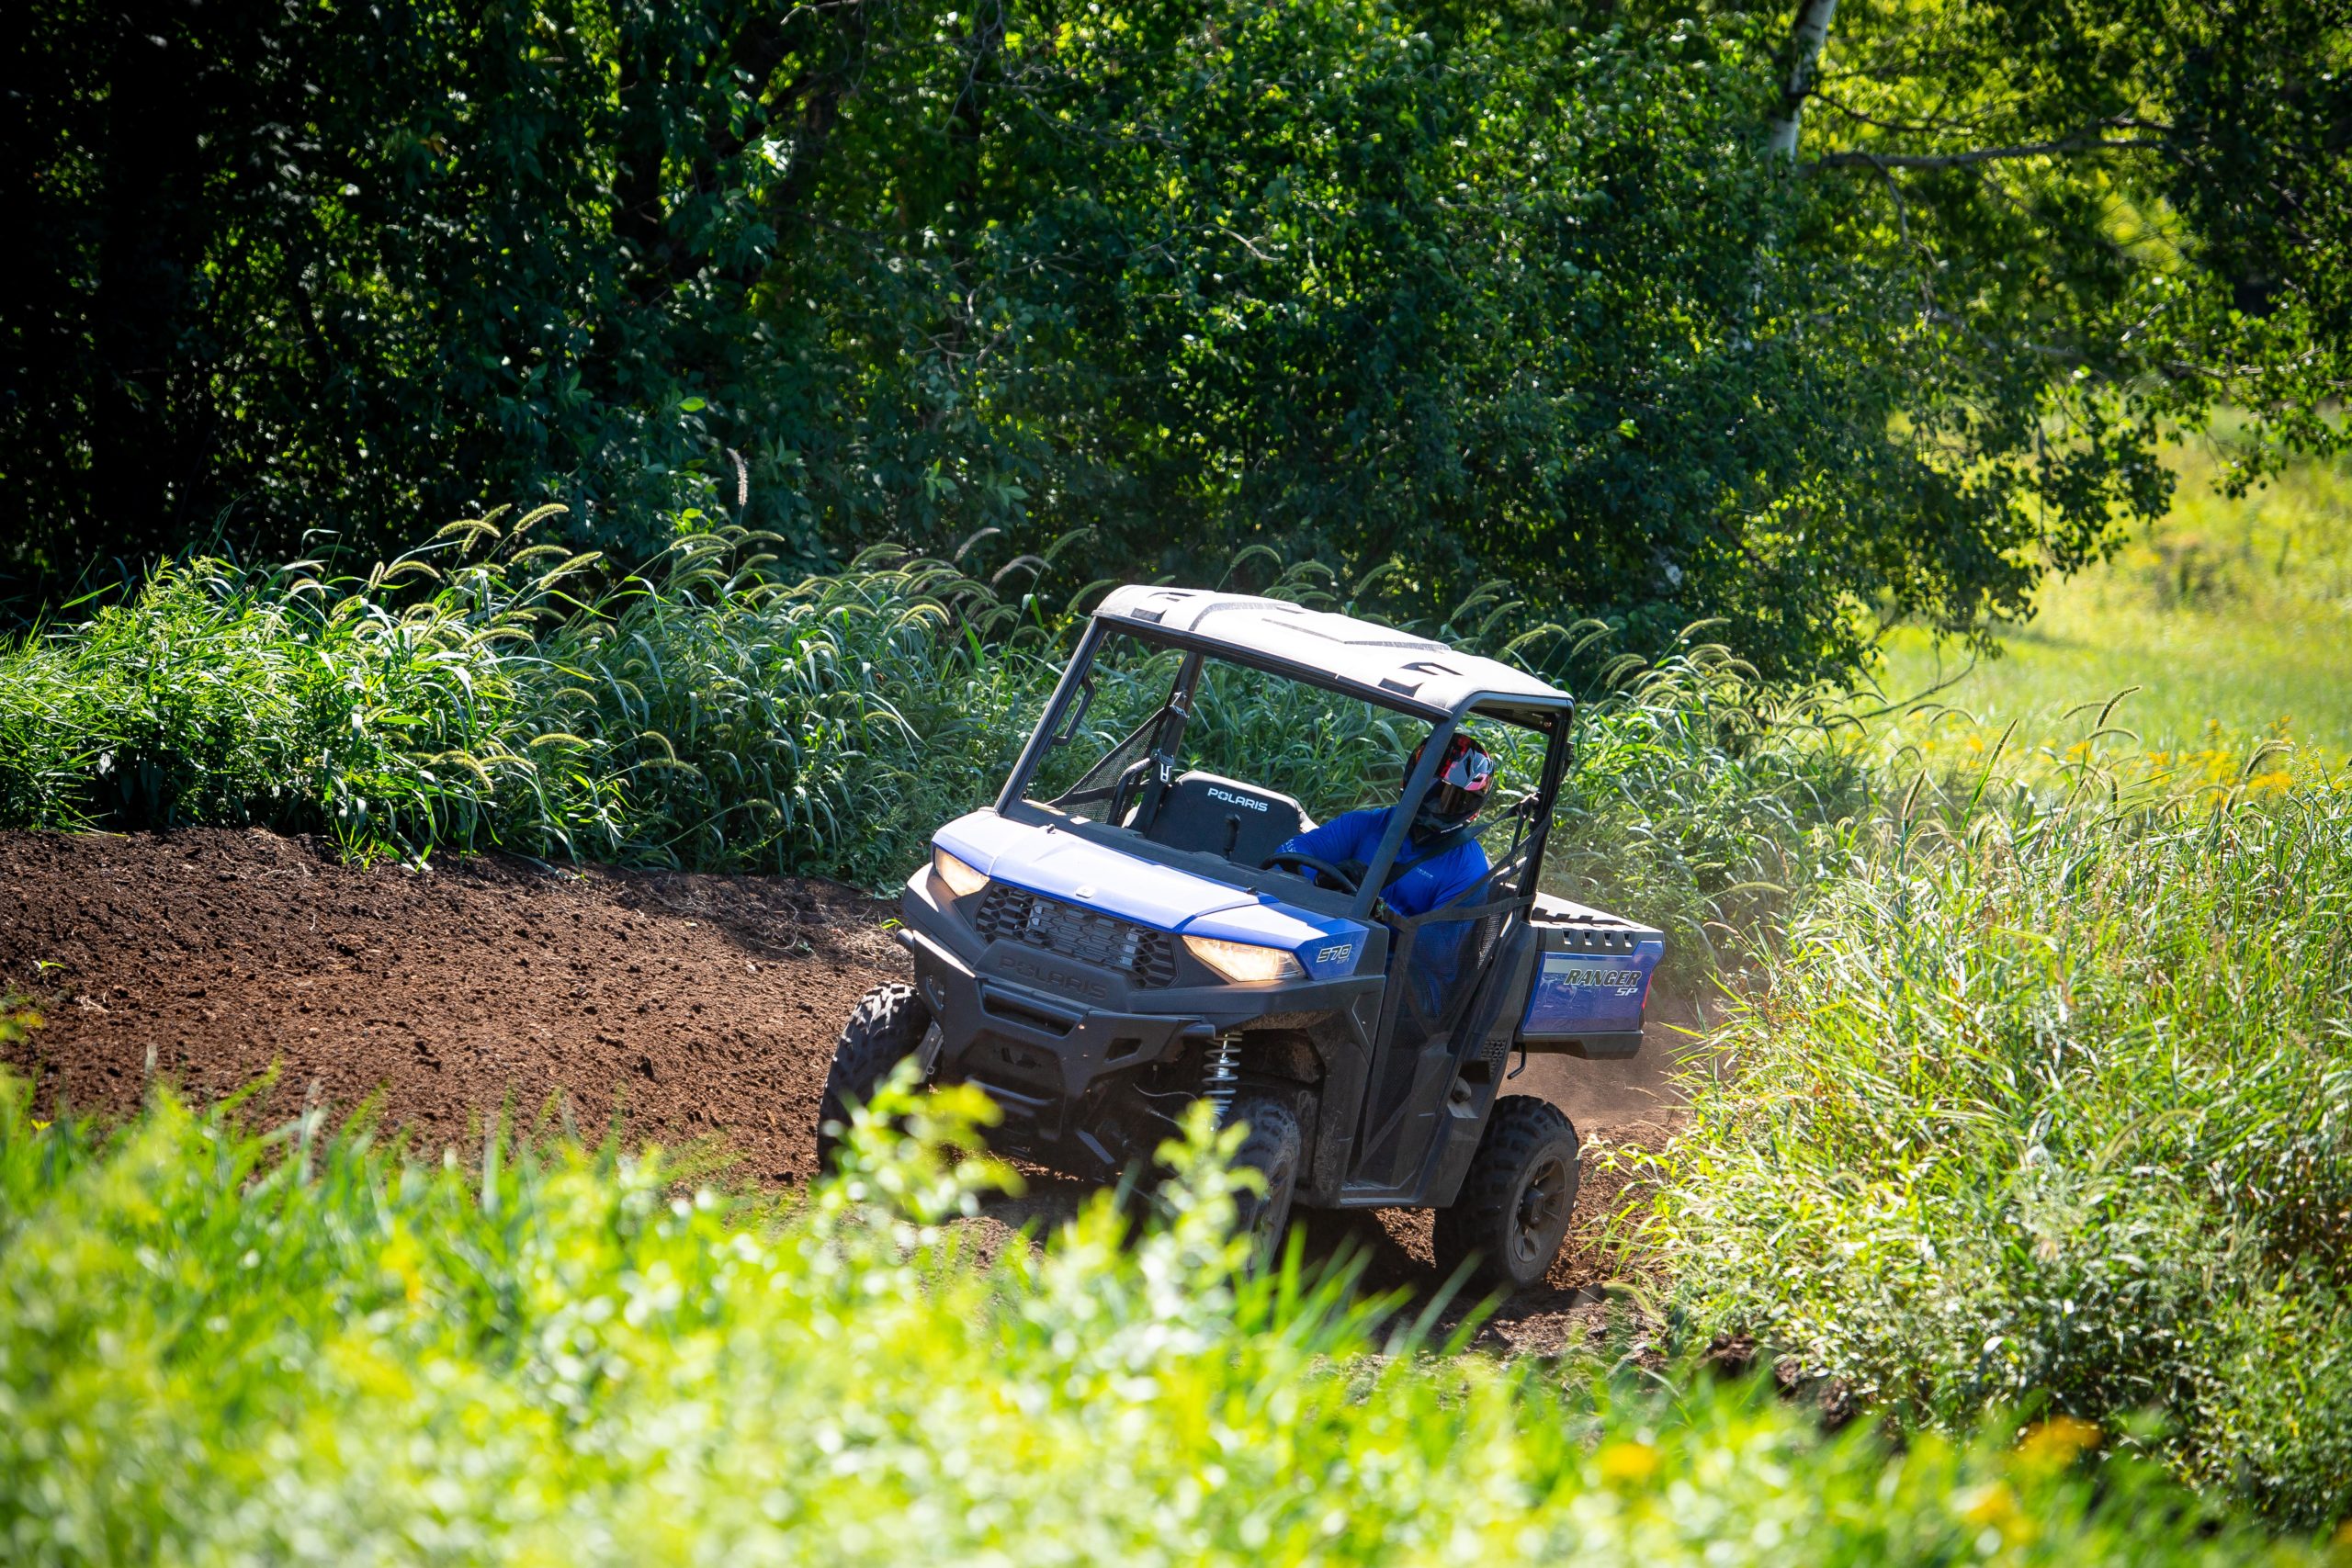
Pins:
x: 1439, y: 861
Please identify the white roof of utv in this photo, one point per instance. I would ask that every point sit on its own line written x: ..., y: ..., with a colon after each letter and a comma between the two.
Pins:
x: 1413, y: 671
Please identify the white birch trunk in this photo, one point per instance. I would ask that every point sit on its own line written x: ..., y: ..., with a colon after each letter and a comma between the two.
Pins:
x: 1805, y: 39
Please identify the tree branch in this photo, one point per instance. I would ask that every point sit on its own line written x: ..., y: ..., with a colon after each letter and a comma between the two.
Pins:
x: 1884, y: 161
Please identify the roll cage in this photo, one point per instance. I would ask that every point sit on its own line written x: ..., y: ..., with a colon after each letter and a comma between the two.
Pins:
x: 1523, y: 701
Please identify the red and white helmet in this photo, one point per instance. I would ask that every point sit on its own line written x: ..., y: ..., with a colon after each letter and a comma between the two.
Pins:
x: 1465, y: 775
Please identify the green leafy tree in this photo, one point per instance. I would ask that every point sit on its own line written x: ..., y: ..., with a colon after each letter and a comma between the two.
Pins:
x: 1439, y: 293
x: 2116, y: 220
x: 358, y: 266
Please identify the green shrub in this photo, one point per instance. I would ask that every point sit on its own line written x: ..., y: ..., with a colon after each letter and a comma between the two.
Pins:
x: 2053, y: 1102
x: 293, y: 1347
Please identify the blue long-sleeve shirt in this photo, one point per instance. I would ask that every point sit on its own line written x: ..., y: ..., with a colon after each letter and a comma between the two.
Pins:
x: 1416, y: 885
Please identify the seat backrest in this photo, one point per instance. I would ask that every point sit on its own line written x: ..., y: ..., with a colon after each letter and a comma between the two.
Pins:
x: 1225, y: 817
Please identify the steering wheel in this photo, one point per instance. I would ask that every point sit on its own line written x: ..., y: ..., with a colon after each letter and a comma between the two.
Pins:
x: 1321, y: 867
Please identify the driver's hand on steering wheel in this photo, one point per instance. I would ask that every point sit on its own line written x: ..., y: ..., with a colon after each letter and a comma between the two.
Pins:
x: 1346, y: 878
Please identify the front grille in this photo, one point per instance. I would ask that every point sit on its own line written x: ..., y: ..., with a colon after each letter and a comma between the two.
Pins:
x: 1015, y: 914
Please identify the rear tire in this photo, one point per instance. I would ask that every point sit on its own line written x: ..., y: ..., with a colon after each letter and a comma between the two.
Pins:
x: 884, y: 1028
x: 1273, y: 1148
x: 1512, y: 1214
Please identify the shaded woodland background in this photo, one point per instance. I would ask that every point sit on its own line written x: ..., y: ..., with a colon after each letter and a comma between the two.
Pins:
x: 1657, y: 312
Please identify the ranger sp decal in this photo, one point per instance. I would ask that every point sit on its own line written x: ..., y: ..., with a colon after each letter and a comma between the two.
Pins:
x: 1589, y: 992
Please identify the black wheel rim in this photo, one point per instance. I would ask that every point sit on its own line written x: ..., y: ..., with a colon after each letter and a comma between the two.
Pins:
x: 1541, y: 1213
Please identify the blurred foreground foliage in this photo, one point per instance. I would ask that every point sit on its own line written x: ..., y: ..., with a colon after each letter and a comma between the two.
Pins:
x: 293, y: 1345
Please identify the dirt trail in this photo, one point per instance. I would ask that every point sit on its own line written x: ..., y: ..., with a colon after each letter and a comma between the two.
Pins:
x: 690, y: 1006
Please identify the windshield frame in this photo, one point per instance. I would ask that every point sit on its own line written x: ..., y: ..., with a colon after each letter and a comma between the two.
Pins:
x: 1554, y: 718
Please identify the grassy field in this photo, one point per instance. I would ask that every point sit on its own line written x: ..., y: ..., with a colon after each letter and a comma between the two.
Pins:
x: 2232, y: 618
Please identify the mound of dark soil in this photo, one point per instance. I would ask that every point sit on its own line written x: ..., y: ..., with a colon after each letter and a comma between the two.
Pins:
x: 688, y: 1007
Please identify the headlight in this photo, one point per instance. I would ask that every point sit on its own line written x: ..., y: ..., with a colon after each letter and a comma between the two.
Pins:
x: 1245, y: 963
x: 962, y: 880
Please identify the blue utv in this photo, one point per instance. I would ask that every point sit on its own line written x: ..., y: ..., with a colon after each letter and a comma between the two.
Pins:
x: 1121, y: 935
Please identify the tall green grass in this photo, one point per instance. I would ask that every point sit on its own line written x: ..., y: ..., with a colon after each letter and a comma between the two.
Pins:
x: 1700, y: 800
x: 483, y: 691
x: 2048, y: 1100
x: 288, y: 1346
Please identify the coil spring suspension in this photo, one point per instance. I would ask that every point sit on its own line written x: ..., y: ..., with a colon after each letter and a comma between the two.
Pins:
x: 1223, y: 1078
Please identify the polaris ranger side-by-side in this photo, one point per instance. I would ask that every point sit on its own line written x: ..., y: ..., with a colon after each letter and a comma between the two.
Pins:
x: 1098, y: 957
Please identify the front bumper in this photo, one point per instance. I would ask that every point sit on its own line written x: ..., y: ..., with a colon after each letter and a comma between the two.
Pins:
x: 1067, y: 1076
x: 1094, y: 1068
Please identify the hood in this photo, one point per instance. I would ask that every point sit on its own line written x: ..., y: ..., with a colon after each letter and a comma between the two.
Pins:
x: 1062, y: 865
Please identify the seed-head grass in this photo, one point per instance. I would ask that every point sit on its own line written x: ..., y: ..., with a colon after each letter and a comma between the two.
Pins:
x: 483, y: 692
x: 2047, y: 1097
x: 1699, y: 799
